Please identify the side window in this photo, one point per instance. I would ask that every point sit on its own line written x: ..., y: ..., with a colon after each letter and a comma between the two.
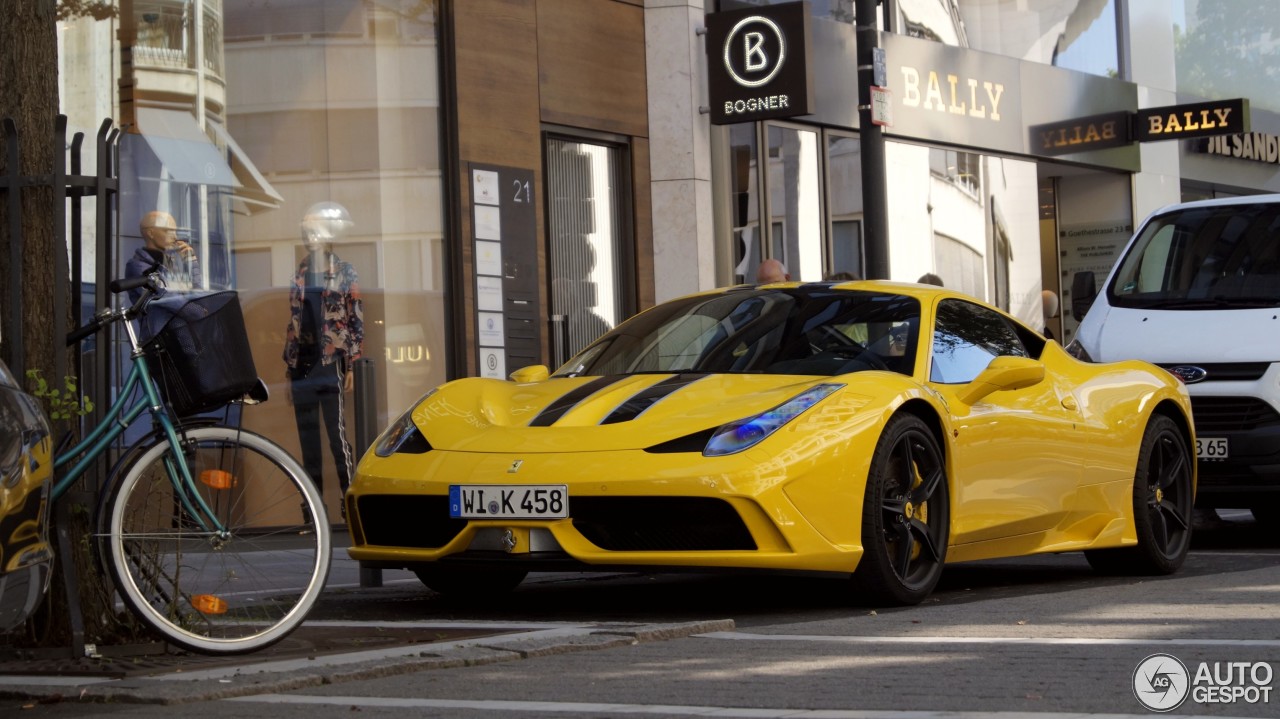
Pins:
x: 966, y: 337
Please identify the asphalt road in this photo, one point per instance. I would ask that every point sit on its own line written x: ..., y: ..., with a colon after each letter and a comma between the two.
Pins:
x: 1043, y: 636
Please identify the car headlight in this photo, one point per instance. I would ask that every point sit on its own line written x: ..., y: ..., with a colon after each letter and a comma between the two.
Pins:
x: 746, y: 433
x: 1077, y: 350
x: 403, y: 435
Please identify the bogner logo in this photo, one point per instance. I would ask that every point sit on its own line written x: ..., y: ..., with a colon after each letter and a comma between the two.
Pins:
x: 755, y: 51
x: 758, y: 63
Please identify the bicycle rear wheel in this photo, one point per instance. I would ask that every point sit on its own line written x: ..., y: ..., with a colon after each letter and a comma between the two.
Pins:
x: 229, y: 592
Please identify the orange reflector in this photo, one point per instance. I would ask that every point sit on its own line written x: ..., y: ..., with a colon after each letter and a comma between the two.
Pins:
x: 209, y: 604
x: 217, y: 478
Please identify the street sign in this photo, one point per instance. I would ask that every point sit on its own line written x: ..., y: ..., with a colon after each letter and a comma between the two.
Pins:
x: 881, y: 106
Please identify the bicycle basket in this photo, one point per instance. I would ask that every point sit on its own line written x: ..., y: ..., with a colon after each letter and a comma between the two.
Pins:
x: 200, y: 353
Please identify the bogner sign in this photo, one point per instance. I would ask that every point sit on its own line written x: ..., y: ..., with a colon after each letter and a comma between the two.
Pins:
x: 758, y: 63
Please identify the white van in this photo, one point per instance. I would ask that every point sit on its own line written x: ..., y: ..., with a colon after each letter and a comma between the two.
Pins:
x: 1197, y: 291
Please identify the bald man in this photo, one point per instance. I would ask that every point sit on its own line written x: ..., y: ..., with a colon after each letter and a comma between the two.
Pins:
x: 771, y: 270
x: 177, y: 259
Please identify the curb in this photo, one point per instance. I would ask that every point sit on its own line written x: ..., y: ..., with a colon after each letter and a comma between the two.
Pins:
x: 288, y: 675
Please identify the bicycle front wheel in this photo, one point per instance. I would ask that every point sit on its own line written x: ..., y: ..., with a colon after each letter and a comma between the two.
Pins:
x: 230, y: 587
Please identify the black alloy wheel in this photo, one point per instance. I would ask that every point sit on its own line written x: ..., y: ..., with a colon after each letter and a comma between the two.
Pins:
x: 905, y: 516
x: 1162, y: 501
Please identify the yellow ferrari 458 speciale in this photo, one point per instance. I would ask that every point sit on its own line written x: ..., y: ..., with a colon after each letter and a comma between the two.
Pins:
x: 867, y: 429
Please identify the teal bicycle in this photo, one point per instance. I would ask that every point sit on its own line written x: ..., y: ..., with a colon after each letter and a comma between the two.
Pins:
x: 215, y: 537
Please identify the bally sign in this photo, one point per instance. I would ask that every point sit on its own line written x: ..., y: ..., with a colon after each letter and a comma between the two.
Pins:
x: 1201, y: 119
x: 758, y: 63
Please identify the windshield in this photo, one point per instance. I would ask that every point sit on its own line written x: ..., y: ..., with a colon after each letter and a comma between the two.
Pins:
x: 806, y: 330
x: 1203, y: 257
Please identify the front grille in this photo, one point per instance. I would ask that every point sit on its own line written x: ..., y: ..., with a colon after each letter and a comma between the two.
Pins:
x: 422, y: 522
x: 1227, y: 371
x: 660, y: 524
x: 1231, y: 414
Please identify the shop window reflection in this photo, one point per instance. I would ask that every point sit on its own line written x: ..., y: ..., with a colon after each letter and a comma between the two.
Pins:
x: 744, y: 203
x: 795, y: 189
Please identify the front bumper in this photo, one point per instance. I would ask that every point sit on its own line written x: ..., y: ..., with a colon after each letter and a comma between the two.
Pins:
x: 1251, y: 427
x: 626, y: 509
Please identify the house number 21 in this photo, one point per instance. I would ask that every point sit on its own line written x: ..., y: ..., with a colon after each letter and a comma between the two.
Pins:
x: 522, y: 191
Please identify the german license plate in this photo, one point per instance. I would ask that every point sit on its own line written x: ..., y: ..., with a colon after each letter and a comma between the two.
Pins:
x: 508, y: 501
x: 1211, y: 447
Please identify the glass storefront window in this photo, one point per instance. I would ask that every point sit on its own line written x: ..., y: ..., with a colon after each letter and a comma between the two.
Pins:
x: 320, y: 97
x: 963, y: 263
x: 844, y: 198
x: 239, y: 119
x: 1228, y: 48
x: 795, y: 201
x: 744, y: 160
x: 814, y: 191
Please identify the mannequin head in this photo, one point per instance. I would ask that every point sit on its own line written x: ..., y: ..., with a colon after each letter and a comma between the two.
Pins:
x: 159, y: 230
x: 323, y: 223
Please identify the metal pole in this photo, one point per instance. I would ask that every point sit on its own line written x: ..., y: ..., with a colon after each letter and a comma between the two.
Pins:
x: 60, y: 235
x: 366, y: 432
x: 875, y: 197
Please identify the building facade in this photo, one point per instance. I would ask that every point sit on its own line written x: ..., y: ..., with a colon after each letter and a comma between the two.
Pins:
x: 521, y: 175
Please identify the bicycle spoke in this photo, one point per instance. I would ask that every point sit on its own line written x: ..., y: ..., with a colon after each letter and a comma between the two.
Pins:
x: 232, y: 590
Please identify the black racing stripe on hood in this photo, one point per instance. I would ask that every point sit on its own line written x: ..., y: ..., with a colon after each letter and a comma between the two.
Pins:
x: 647, y: 397
x: 556, y: 409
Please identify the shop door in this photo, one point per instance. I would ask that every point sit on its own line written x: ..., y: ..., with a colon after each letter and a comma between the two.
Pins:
x: 588, y: 229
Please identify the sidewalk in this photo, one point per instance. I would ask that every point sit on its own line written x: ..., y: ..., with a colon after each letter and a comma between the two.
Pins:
x: 321, y: 651
x: 193, y: 679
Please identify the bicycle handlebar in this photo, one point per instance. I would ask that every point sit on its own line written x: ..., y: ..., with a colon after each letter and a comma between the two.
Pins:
x: 130, y: 283
x: 150, y: 283
x: 78, y: 334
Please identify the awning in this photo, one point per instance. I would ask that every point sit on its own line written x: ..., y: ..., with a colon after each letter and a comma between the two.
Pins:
x: 254, y: 188
x: 187, y: 154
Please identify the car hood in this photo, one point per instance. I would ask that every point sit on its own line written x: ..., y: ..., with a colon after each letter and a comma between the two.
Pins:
x: 578, y: 414
x: 1190, y: 336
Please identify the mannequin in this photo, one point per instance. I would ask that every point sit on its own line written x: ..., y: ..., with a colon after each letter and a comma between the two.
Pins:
x: 324, y: 337
x: 178, y: 264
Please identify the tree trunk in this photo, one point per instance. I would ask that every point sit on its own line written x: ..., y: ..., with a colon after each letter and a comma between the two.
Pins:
x: 29, y: 96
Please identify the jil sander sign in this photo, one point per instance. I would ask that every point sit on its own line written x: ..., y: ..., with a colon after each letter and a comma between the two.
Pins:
x: 1255, y: 146
x: 758, y: 63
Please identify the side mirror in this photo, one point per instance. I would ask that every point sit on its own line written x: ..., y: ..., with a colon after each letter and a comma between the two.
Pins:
x: 1083, y: 291
x: 1003, y: 373
x: 532, y: 373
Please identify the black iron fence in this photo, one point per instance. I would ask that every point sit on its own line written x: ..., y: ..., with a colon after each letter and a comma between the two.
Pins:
x: 70, y: 188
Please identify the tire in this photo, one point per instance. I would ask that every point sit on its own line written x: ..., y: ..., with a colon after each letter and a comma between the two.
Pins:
x: 906, y: 516
x: 469, y: 582
x: 1162, y: 501
x: 256, y: 579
